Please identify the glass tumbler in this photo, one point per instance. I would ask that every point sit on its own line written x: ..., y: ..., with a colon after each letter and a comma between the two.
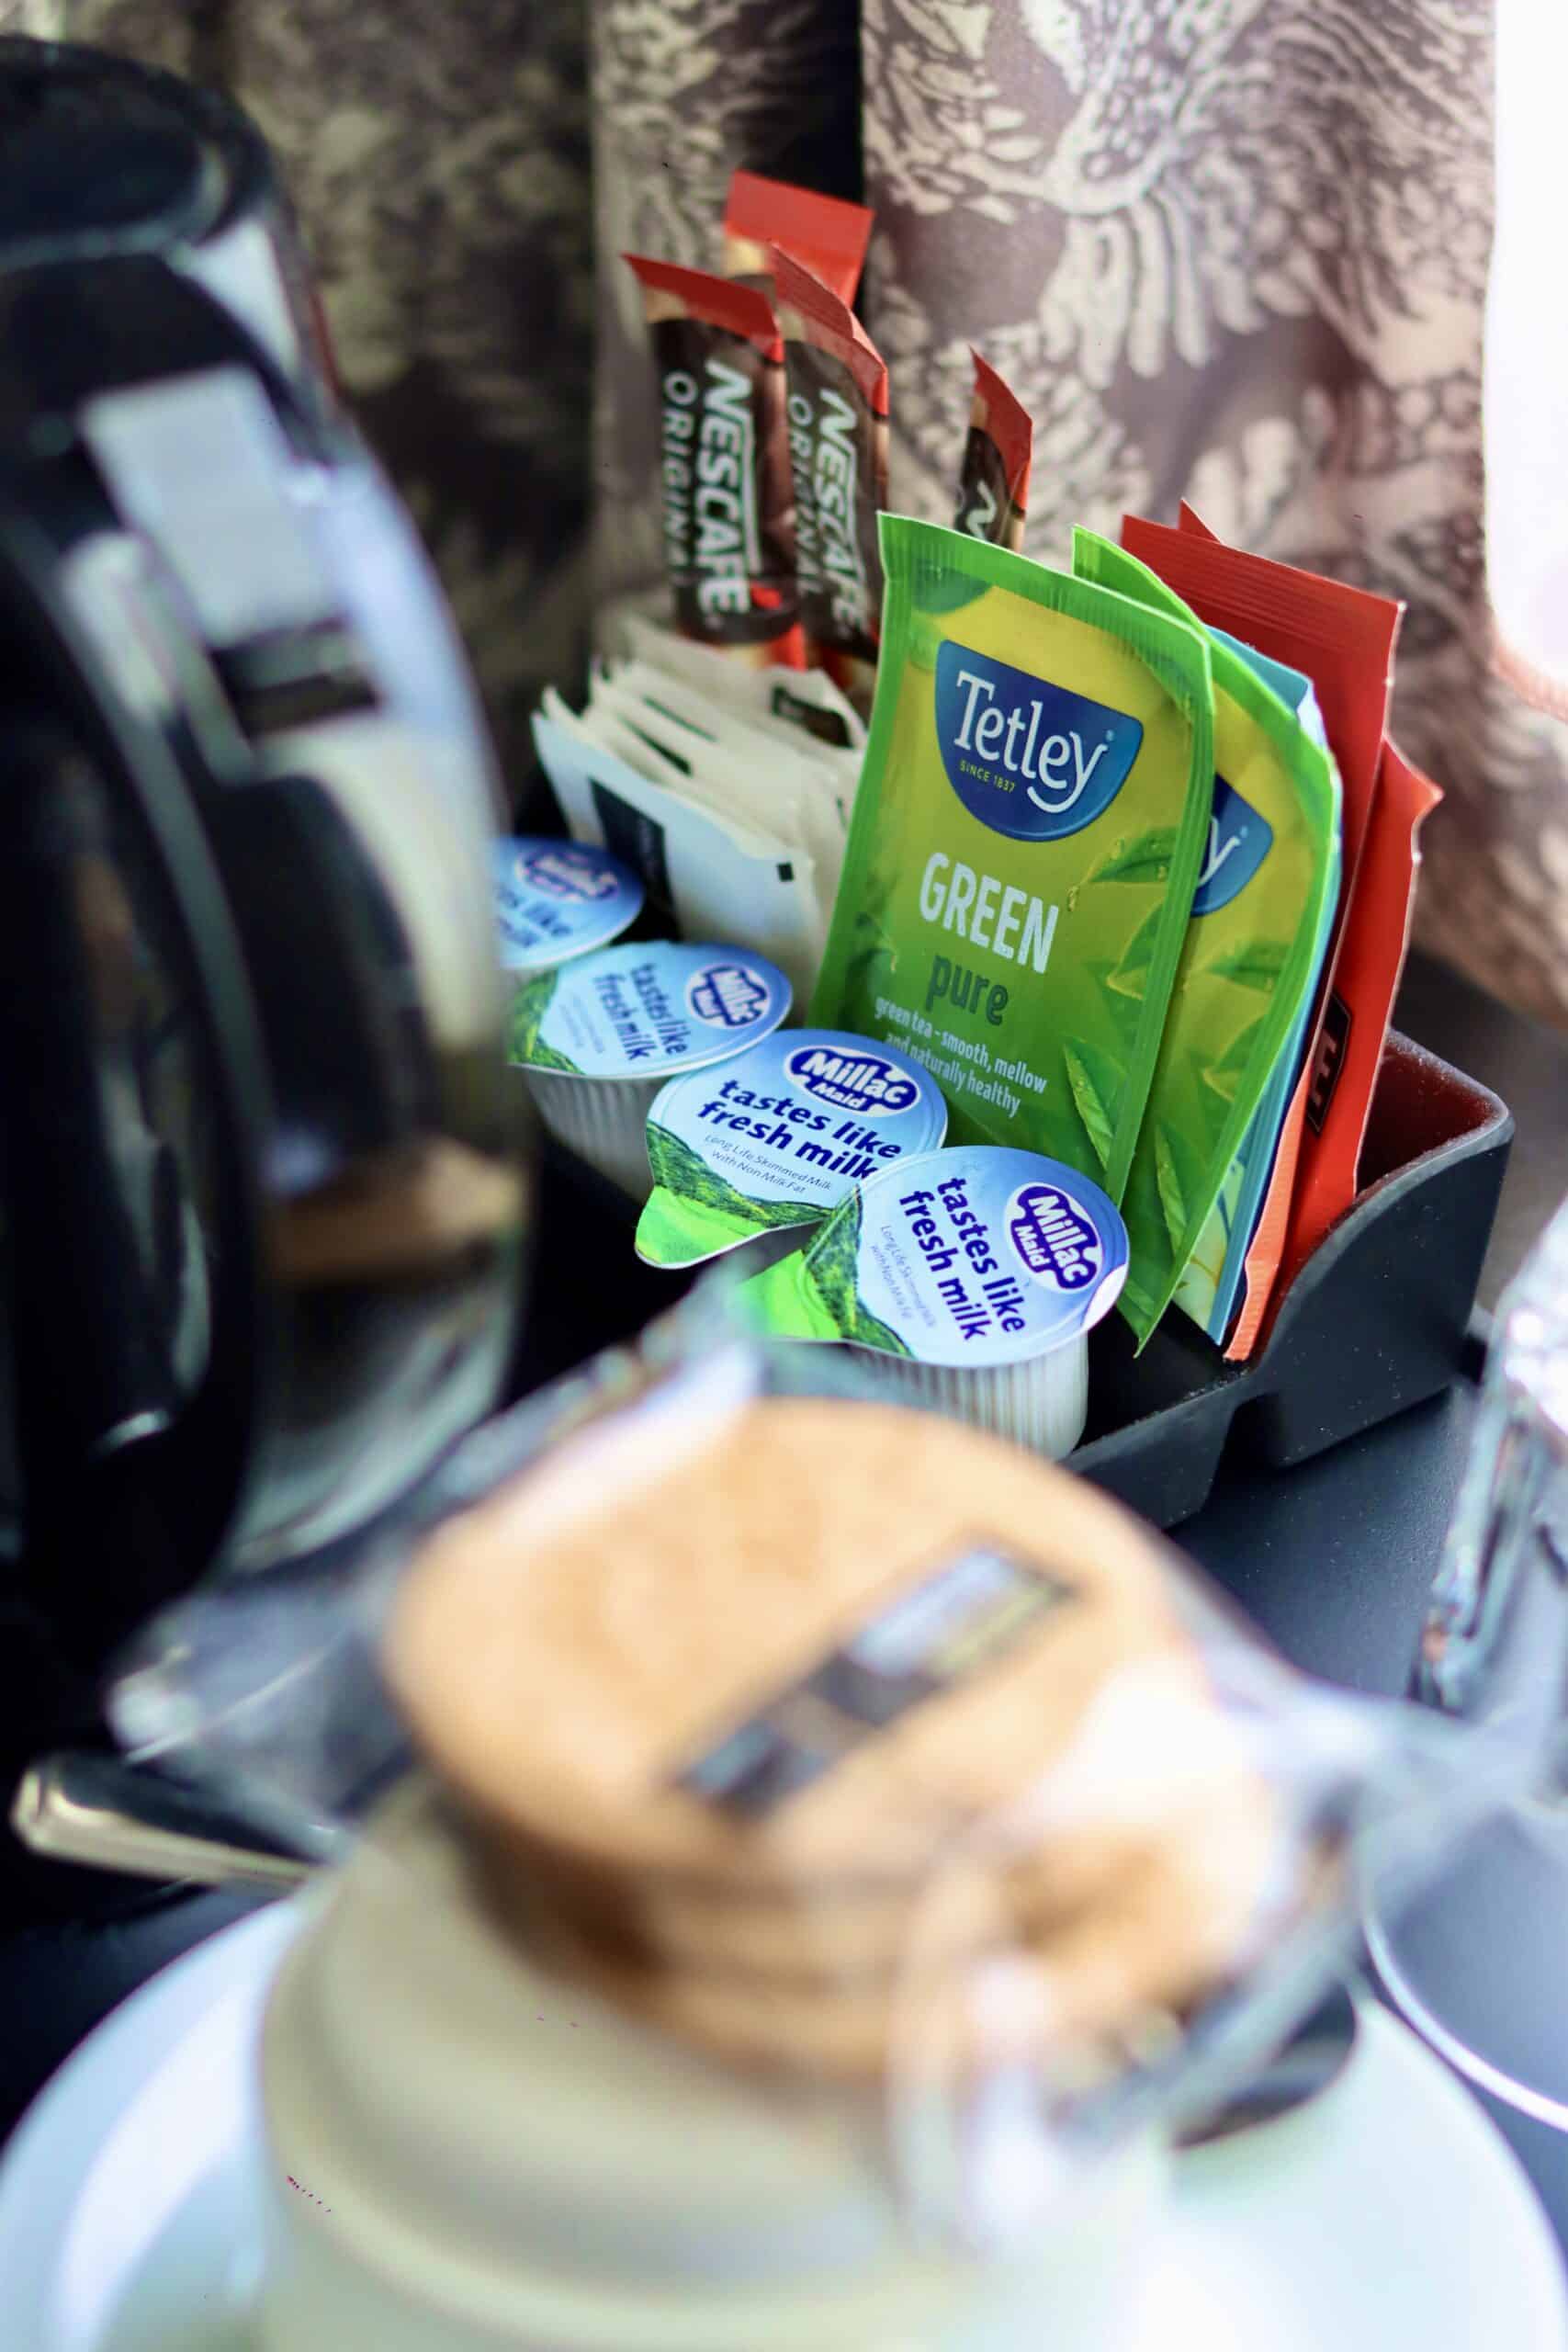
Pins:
x: 1477, y: 1962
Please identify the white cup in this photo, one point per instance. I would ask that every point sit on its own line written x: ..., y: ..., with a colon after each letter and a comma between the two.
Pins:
x: 468, y: 2155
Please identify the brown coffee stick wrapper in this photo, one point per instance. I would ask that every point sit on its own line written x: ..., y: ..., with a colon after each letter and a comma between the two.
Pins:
x: 993, y: 486
x: 838, y: 445
x: 824, y: 231
x: 723, y: 463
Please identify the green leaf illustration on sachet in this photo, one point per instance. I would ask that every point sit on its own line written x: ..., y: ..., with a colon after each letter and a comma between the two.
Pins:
x: 1174, y: 1191
x: 1096, y: 1082
x: 934, y: 590
x: 874, y: 959
x: 1200, y: 1278
x: 1132, y: 973
x: 1252, y: 964
x: 1127, y: 980
x: 1124, y: 1004
x: 1223, y: 1076
x: 1145, y: 858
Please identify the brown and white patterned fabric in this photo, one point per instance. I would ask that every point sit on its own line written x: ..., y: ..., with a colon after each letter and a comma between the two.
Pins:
x: 1231, y: 249
x: 439, y: 163
x: 685, y: 91
x: 1237, y: 251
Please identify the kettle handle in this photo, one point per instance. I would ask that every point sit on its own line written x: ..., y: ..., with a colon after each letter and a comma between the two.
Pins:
x: 74, y: 1268
x: 92, y: 1401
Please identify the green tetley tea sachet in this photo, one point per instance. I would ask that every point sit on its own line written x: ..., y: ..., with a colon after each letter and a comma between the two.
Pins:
x: 1249, y: 956
x: 1026, y: 841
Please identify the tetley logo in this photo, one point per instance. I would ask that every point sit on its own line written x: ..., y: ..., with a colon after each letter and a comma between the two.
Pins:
x: 863, y: 1083
x: 1055, y: 1239
x: 729, y: 996
x: 1239, y: 839
x: 1030, y: 759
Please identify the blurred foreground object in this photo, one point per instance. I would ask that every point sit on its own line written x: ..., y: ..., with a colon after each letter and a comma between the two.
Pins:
x: 1477, y: 1965
x: 262, y: 1185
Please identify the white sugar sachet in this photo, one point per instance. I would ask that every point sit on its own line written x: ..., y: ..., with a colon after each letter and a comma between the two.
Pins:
x: 603, y: 725
x: 761, y: 780
x: 719, y: 879
x: 800, y: 702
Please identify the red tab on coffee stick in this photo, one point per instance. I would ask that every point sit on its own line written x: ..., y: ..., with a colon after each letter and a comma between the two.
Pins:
x: 829, y: 235
x: 724, y: 497
x: 827, y: 322
x: 993, y: 480
x: 715, y: 301
x: 838, y: 444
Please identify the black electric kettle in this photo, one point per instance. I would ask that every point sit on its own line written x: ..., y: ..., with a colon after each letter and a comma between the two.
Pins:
x: 262, y: 1191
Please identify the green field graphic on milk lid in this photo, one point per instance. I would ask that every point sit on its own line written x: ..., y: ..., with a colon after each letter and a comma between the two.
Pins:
x: 646, y: 1009
x: 775, y: 1138
x: 1247, y: 961
x: 970, y: 1257
x: 1025, y: 844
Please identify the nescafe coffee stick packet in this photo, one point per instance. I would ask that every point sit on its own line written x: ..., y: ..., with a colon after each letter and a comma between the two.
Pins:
x: 724, y: 473
x: 993, y: 486
x: 829, y: 235
x: 838, y: 447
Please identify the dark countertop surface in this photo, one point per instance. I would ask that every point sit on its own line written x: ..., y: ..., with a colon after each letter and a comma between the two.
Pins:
x: 1331, y: 1559
x: 1528, y: 1065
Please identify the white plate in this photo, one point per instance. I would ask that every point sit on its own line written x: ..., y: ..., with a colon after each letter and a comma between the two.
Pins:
x: 1388, y: 2217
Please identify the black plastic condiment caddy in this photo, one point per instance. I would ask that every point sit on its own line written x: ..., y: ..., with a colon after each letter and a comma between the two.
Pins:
x: 1379, y: 1319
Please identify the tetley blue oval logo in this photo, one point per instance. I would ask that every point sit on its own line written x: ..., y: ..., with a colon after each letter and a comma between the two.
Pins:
x: 1054, y: 1238
x: 1030, y: 759
x: 1239, y: 839
x: 862, y: 1082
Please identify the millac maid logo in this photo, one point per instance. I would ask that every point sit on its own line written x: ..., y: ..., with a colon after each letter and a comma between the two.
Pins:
x: 1054, y: 1238
x: 728, y: 995
x: 1030, y: 759
x: 862, y: 1082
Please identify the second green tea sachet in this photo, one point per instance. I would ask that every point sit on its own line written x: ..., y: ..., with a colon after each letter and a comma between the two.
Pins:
x: 1250, y: 957
x: 1025, y: 846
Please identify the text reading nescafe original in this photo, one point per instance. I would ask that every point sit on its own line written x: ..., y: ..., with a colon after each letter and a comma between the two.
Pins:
x: 711, y: 531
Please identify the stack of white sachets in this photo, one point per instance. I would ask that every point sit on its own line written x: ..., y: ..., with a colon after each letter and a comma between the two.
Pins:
x: 729, y: 788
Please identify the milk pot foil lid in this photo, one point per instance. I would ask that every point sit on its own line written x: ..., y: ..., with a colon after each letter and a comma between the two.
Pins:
x: 778, y: 1138
x: 972, y: 1257
x: 646, y: 1009
x: 556, y: 898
